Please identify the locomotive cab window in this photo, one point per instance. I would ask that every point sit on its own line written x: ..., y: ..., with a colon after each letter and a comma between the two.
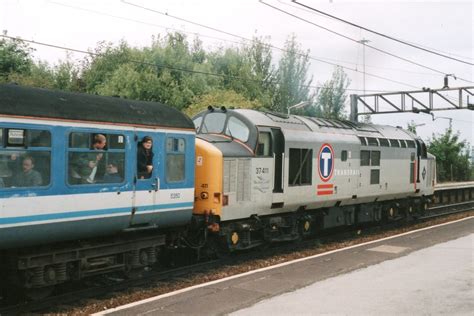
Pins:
x: 213, y: 123
x: 264, y: 147
x: 237, y: 129
x: 175, y: 159
x: 95, y: 158
x: 25, y: 158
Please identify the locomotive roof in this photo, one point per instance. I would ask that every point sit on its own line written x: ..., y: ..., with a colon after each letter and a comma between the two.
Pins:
x: 18, y: 100
x: 312, y: 124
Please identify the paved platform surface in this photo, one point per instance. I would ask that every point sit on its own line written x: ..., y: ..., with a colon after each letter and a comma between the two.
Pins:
x: 362, y: 279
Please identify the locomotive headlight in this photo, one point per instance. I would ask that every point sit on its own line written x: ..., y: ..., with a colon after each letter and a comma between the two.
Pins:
x: 204, y: 195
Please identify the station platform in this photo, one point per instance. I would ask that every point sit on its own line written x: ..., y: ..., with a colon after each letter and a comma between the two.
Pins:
x: 428, y: 271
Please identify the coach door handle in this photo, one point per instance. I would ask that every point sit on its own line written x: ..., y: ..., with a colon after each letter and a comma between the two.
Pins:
x: 157, y: 184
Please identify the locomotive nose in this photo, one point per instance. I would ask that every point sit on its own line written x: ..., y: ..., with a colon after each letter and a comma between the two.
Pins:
x: 208, y: 179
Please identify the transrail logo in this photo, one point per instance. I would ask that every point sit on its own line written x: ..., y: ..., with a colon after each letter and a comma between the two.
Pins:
x: 326, y: 162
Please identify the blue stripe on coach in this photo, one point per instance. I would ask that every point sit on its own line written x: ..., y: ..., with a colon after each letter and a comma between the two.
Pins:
x: 64, y: 215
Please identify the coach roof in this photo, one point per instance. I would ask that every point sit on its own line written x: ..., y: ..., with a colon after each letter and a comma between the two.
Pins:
x: 18, y: 100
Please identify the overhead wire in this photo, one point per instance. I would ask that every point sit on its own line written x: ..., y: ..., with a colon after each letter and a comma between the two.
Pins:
x: 380, y: 34
x: 356, y: 41
x: 214, y: 37
x: 421, y: 45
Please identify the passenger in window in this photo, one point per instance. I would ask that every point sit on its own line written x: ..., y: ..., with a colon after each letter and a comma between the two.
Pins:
x: 28, y: 177
x: 88, y: 167
x: 145, y: 158
x: 112, y: 174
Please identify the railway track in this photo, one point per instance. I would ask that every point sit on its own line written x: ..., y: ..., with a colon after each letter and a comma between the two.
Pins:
x: 104, y: 289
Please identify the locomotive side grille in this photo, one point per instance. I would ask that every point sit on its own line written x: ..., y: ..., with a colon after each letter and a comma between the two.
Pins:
x: 230, y: 175
x: 243, y: 180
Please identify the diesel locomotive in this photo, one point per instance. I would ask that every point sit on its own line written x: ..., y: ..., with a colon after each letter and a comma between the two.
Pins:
x: 228, y: 178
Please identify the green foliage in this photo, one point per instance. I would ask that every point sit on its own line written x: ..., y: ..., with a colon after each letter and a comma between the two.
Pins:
x: 217, y: 98
x: 452, y: 160
x: 15, y: 58
x: 412, y: 127
x: 175, y: 71
x: 332, y: 97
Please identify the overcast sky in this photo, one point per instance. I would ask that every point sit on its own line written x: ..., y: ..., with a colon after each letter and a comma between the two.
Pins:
x: 444, y: 26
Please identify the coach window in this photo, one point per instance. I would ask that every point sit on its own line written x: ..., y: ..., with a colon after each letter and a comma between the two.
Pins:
x: 25, y: 158
x: 300, y: 166
x: 95, y: 158
x: 344, y: 155
x: 264, y: 144
x: 375, y: 158
x: 403, y: 144
x: 365, y: 158
x: 237, y: 129
x: 175, y: 159
x: 374, y: 176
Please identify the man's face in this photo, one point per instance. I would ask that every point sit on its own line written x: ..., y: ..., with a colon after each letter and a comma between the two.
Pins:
x: 99, y: 145
x: 27, y: 165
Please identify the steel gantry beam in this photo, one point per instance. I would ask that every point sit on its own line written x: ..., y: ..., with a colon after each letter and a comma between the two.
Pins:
x: 425, y: 100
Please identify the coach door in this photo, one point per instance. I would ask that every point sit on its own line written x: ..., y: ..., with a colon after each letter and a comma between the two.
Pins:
x: 147, y: 182
x: 278, y: 145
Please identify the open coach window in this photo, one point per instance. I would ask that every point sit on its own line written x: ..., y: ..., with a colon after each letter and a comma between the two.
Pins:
x: 95, y: 158
x: 25, y: 157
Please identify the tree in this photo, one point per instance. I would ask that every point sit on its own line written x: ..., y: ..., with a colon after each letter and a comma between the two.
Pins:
x: 452, y: 159
x: 412, y: 127
x: 293, y: 85
x: 15, y: 57
x: 332, y: 96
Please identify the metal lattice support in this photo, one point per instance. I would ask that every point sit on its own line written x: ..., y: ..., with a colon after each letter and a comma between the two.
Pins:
x: 425, y: 100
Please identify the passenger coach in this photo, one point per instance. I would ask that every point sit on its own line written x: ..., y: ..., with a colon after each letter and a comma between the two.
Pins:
x: 57, y: 185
